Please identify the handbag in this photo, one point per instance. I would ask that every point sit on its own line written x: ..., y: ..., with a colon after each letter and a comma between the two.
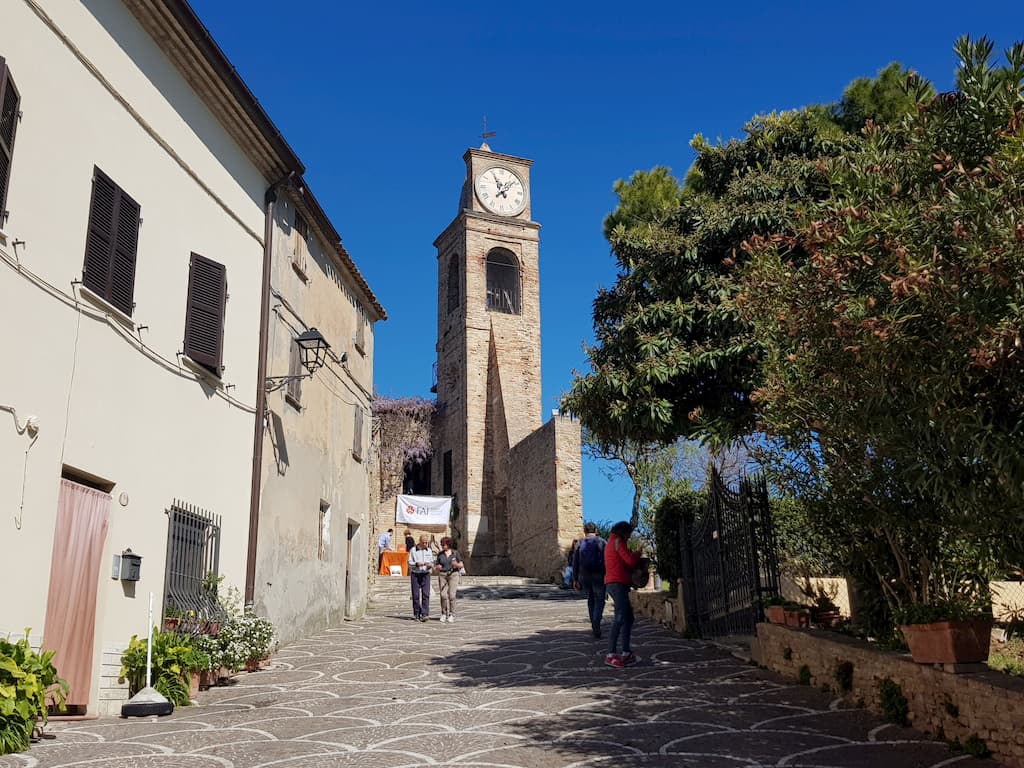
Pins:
x: 641, y: 573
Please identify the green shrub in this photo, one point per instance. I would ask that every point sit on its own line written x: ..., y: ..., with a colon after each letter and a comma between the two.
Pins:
x: 669, y: 514
x: 892, y: 701
x: 844, y: 676
x: 174, y: 659
x: 28, y: 680
x: 976, y: 746
x: 804, y: 676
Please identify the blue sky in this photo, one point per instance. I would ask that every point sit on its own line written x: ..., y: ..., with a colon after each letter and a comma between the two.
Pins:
x: 380, y: 100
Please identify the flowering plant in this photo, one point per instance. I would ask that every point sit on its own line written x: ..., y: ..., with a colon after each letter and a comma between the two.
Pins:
x: 257, y: 635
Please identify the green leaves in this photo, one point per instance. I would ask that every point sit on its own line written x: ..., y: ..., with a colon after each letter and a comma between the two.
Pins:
x: 28, y: 682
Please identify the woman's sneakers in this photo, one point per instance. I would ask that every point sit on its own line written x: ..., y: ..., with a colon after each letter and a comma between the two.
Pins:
x: 620, y: 660
x: 449, y: 618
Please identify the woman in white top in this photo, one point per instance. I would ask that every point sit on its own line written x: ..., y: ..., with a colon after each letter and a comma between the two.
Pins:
x: 449, y: 563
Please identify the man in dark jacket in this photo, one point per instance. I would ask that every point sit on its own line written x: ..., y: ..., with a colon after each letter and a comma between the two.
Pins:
x: 588, y: 572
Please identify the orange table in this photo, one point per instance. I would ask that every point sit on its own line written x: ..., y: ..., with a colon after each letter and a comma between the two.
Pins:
x: 394, y: 558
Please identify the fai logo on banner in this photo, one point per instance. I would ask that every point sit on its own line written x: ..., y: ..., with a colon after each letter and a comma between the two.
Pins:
x: 414, y: 511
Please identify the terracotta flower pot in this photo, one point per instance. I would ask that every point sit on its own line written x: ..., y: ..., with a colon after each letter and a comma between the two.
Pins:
x: 171, y: 623
x: 949, y: 642
x: 193, y: 684
x: 776, y: 614
x: 798, y: 617
x: 252, y: 665
x: 206, y: 679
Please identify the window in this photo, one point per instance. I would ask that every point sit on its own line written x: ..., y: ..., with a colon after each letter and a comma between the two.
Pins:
x: 357, y: 433
x: 193, y: 560
x: 204, y: 317
x: 324, y: 537
x: 300, y: 249
x: 9, y: 101
x: 503, y: 281
x: 111, y: 244
x: 293, y: 394
x: 446, y: 474
x: 360, y: 337
x: 453, y: 283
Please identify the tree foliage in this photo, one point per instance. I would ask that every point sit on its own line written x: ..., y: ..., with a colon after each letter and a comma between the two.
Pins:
x: 891, y: 319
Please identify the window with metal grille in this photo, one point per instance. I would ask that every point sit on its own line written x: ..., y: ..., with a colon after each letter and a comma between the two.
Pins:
x: 453, y: 282
x: 193, y: 561
x: 293, y: 393
x: 357, y: 433
x: 503, y: 281
x: 111, y: 244
x: 9, y: 101
x: 204, y: 316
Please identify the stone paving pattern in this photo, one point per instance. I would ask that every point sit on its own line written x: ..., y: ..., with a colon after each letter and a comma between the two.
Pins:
x: 516, y: 682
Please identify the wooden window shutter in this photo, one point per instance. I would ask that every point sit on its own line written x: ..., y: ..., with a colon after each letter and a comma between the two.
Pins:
x: 360, y: 337
x: 204, y: 316
x: 9, y: 102
x: 294, y: 391
x: 111, y: 245
x: 357, y: 433
x: 300, y: 249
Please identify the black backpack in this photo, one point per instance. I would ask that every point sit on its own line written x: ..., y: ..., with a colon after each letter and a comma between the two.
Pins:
x: 592, y: 555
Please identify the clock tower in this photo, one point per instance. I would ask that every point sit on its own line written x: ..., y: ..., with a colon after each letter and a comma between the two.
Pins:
x: 488, y: 353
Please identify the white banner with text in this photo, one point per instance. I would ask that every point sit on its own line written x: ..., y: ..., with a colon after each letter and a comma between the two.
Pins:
x: 423, y: 510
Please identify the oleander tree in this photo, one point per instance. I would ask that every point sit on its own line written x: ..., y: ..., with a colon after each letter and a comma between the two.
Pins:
x: 889, y: 321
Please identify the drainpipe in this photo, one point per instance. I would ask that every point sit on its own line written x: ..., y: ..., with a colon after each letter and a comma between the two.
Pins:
x: 261, y: 394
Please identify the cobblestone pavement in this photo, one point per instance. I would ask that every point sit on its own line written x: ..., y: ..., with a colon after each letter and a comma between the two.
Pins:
x: 516, y: 682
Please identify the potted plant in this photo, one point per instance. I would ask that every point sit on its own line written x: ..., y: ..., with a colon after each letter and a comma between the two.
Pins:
x: 825, y: 611
x: 172, y: 617
x: 957, y: 631
x: 258, y: 637
x: 175, y: 662
x: 774, y: 609
x: 232, y: 651
x: 210, y: 647
x: 28, y: 685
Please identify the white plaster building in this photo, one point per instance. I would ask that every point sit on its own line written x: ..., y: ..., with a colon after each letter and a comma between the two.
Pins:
x: 139, y: 179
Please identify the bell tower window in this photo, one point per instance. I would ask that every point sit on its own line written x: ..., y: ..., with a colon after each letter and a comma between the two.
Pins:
x: 503, y: 281
x: 453, y: 283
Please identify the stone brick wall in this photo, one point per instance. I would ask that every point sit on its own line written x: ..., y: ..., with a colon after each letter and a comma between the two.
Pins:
x: 987, y: 704
x: 112, y: 694
x: 545, y: 498
x: 666, y: 608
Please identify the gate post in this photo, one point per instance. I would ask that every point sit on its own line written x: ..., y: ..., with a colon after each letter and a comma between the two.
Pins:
x: 687, y: 571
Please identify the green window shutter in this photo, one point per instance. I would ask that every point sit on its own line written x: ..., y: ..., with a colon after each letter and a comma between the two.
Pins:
x: 204, y: 315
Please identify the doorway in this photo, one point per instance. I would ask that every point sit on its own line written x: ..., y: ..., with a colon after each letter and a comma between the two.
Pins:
x: 353, y: 530
x: 83, y: 514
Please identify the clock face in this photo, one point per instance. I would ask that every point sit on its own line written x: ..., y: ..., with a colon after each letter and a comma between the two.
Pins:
x: 501, y: 191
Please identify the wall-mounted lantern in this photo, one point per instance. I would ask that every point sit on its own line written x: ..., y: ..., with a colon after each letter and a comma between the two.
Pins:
x: 313, y: 354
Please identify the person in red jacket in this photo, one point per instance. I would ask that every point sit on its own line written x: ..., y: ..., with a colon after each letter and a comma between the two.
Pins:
x: 619, y: 561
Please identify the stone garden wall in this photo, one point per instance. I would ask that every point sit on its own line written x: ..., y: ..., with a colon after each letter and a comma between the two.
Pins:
x: 986, y: 705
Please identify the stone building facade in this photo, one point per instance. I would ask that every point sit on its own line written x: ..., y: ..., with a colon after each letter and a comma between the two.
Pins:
x: 516, y: 481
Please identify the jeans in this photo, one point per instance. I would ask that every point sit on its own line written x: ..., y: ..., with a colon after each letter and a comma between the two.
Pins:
x: 623, y: 621
x: 593, y: 585
x: 420, y: 594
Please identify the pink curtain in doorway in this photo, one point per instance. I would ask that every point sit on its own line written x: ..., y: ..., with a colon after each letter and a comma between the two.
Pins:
x: 82, y: 517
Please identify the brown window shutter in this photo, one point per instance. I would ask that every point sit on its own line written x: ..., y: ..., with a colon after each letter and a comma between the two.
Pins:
x: 294, y: 390
x: 9, y: 102
x: 111, y: 245
x: 204, y: 316
x: 357, y: 433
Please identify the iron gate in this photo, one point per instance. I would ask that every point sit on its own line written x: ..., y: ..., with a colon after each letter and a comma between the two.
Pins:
x: 729, y: 559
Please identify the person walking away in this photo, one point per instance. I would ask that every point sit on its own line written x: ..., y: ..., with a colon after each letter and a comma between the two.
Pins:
x: 567, y: 573
x: 449, y: 564
x: 383, y: 545
x: 588, y: 566
x: 619, y: 560
x: 421, y: 565
x: 410, y: 542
